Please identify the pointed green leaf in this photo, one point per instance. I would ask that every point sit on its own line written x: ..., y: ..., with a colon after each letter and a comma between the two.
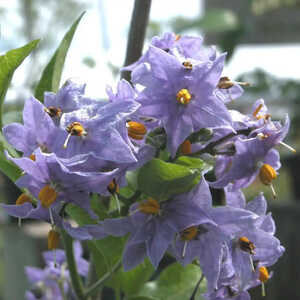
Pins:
x: 9, y: 62
x: 8, y: 168
x: 193, y: 163
x: 132, y: 281
x: 160, y: 180
x: 51, y: 76
x: 175, y: 283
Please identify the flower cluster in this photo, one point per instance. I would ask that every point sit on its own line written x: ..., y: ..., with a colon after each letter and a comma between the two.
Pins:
x: 53, y: 282
x: 73, y: 146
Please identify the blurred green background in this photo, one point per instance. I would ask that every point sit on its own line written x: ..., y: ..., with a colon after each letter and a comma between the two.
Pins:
x: 262, y: 41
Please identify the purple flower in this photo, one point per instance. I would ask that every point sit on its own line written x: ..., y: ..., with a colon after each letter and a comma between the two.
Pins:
x: 50, y: 282
x: 99, y: 131
x: 245, y: 165
x: 38, y: 130
x: 181, y: 98
x: 152, y: 227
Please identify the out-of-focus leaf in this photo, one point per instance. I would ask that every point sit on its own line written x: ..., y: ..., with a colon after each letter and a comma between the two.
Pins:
x: 141, y: 298
x: 51, y: 76
x: 175, y: 283
x: 160, y: 180
x: 9, y: 62
x: 9, y: 169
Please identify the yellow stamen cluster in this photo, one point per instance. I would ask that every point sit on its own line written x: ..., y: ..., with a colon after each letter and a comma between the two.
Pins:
x: 53, y: 112
x: 246, y: 245
x: 188, y: 65
x: 23, y: 198
x: 47, y: 196
x: 263, y: 274
x: 267, y: 174
x: 183, y: 96
x: 113, y: 187
x: 32, y: 157
x: 186, y: 147
x: 76, y: 129
x: 150, y: 207
x: 189, y: 233
x: 53, y: 239
x: 136, y: 130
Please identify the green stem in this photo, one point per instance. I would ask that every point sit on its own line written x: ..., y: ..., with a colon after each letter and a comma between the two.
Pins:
x: 137, y: 32
x: 101, y: 281
x: 75, y: 278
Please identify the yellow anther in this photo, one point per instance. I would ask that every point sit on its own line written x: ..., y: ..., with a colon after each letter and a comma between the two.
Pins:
x: 76, y: 129
x: 47, y: 196
x: 23, y: 198
x: 183, y: 96
x: 263, y: 274
x: 246, y: 245
x: 267, y: 174
x: 32, y: 157
x: 53, y: 112
x: 53, y: 239
x: 188, y: 65
x: 186, y: 147
x: 189, y: 233
x: 263, y: 277
x: 136, y: 130
x: 113, y: 187
x: 151, y: 207
x: 177, y: 37
x: 226, y: 83
x: 257, y: 110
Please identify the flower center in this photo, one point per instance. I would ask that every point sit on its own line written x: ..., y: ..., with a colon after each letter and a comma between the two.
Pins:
x: 188, y: 65
x: 256, y: 112
x: 113, y: 187
x: 32, y: 156
x: 267, y: 174
x: 150, y: 207
x: 186, y: 147
x: 136, y: 130
x: 246, y: 245
x: 53, y: 112
x: 183, y: 96
x: 47, y: 196
x: 189, y: 233
x: 75, y: 129
x: 23, y: 198
x: 53, y: 239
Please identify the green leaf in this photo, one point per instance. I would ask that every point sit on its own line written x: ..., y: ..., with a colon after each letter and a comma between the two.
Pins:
x: 51, y: 76
x: 131, y: 281
x: 9, y: 62
x: 161, y: 180
x: 193, y: 163
x: 175, y: 283
x: 8, y: 168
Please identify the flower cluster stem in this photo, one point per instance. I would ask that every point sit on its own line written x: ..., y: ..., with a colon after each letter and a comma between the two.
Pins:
x: 75, y: 278
x: 137, y: 32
